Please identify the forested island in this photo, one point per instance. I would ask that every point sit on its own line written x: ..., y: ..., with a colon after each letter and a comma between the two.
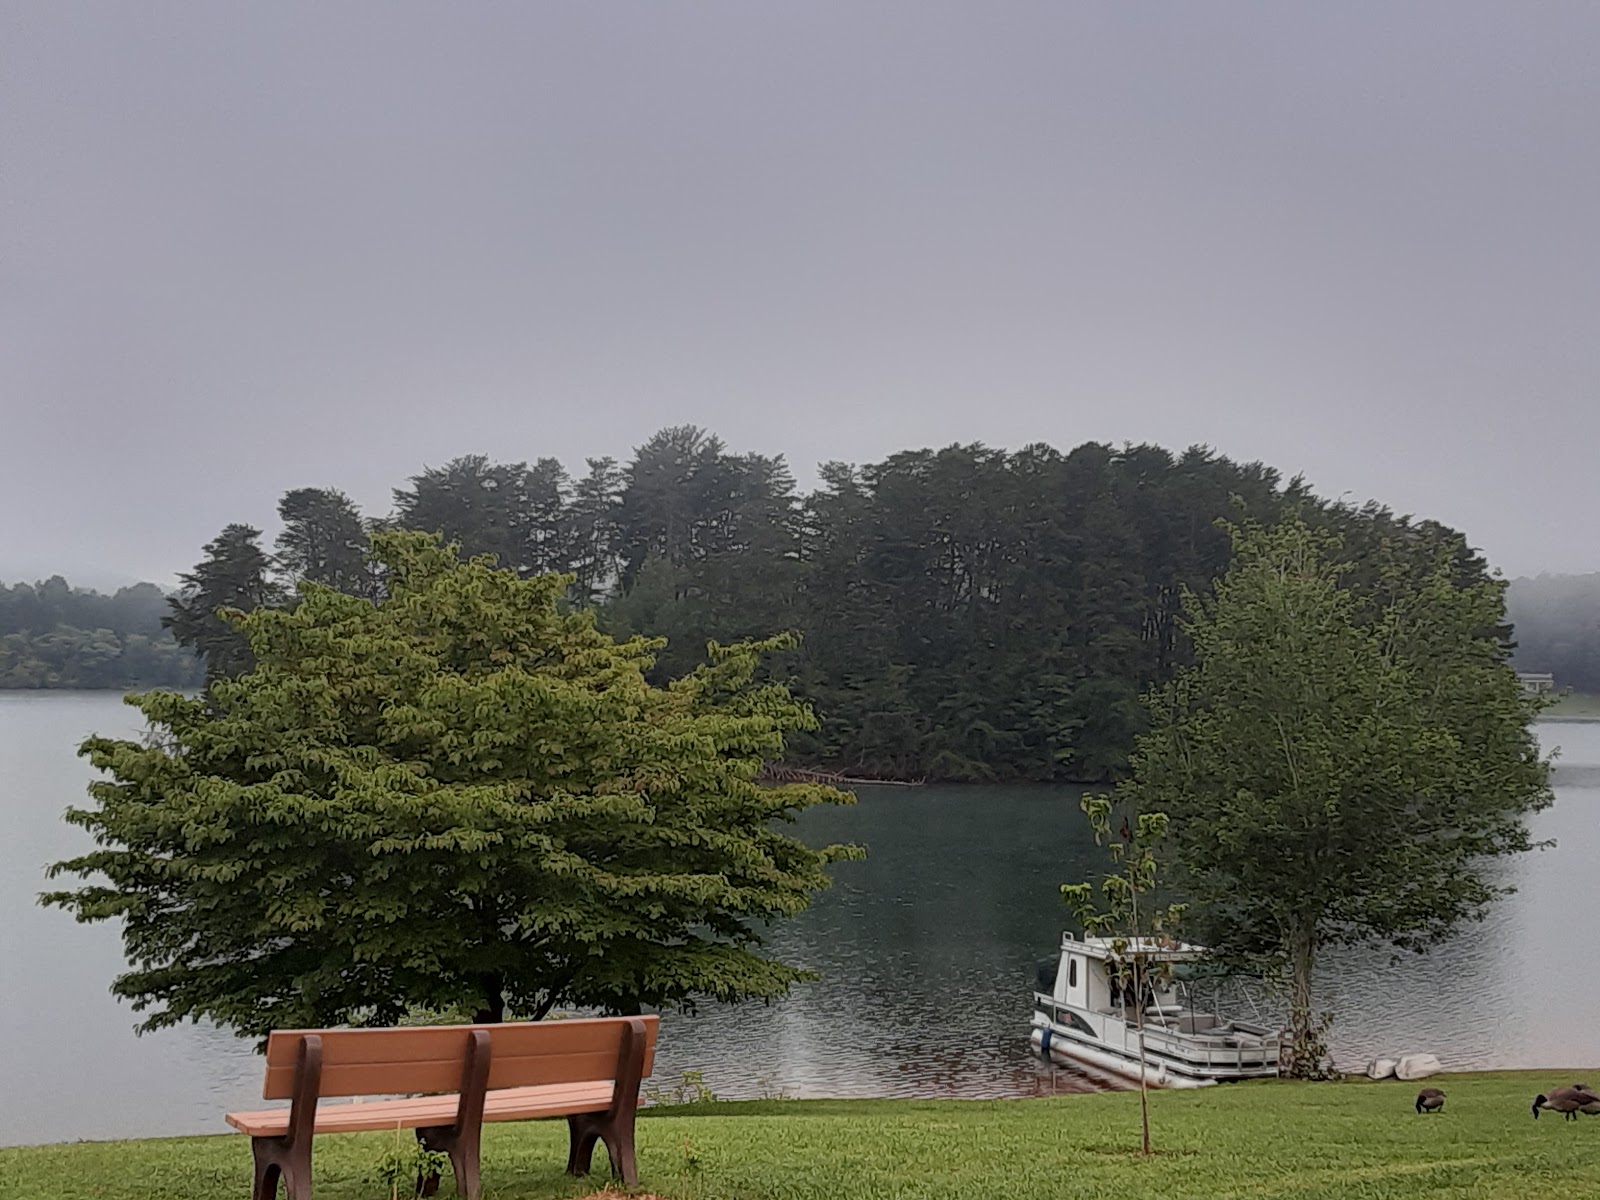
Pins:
x: 53, y: 635
x: 966, y: 613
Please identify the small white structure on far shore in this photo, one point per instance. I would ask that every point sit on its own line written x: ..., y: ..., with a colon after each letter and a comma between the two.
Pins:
x: 1536, y: 683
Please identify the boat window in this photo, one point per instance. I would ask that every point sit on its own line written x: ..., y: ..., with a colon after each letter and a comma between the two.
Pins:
x: 1073, y: 1021
x: 1072, y: 972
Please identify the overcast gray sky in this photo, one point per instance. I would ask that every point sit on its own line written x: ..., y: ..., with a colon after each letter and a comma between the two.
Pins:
x: 246, y: 248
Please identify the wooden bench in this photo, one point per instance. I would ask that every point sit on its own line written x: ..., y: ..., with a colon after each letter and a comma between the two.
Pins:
x: 456, y: 1077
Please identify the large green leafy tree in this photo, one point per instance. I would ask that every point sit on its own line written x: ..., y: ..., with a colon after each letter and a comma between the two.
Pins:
x: 234, y: 574
x: 461, y: 796
x: 1344, y: 761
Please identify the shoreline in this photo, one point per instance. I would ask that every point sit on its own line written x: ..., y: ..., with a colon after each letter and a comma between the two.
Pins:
x: 1537, y: 1078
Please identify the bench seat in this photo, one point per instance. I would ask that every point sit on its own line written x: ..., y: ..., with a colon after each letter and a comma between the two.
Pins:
x: 421, y: 1112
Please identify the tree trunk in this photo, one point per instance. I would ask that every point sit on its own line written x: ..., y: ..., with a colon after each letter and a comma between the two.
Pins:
x: 1305, y: 1059
x: 494, y: 1010
x: 1144, y: 1092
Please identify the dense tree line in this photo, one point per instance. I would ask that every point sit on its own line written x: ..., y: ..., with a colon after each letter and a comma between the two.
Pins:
x: 53, y: 635
x: 1557, y: 620
x: 965, y: 613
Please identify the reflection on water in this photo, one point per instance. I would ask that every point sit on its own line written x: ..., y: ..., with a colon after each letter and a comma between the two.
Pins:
x: 926, y: 953
x: 1494, y: 997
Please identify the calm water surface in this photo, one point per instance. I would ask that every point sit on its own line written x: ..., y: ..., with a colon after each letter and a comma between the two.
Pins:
x: 926, y: 952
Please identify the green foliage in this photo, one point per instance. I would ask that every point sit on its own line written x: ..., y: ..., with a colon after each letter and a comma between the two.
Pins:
x: 973, y: 614
x: 510, y: 510
x: 1345, y: 759
x: 406, y: 1165
x: 965, y: 613
x: 691, y: 1088
x: 232, y: 577
x: 324, y: 540
x: 1126, y: 910
x: 41, y: 607
x: 1271, y: 1139
x: 94, y: 658
x: 596, y: 530
x: 55, y: 636
x: 460, y: 796
x: 709, y: 542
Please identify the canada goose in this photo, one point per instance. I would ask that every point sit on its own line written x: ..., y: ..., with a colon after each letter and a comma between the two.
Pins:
x: 1568, y: 1101
x: 1430, y: 1100
x: 1593, y: 1106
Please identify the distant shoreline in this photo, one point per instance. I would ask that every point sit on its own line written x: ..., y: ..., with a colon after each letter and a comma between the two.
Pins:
x: 1573, y: 706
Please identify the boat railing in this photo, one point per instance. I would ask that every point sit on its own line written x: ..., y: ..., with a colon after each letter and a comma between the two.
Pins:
x: 1198, y: 1048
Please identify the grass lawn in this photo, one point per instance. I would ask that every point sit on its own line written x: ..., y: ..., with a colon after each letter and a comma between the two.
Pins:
x: 1269, y: 1139
x: 1574, y: 706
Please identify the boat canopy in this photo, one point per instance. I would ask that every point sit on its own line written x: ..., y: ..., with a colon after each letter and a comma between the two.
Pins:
x: 1183, y: 960
x: 1155, y: 949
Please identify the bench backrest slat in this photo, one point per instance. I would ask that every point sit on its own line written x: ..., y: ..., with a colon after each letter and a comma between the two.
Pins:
x: 429, y: 1058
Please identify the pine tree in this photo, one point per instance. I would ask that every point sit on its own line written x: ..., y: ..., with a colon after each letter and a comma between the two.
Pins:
x: 233, y: 575
x: 324, y: 540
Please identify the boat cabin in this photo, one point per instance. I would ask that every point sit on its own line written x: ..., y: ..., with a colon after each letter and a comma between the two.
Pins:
x: 1091, y: 977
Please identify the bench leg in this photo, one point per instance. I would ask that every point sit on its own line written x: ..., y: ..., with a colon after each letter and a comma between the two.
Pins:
x: 267, y: 1172
x: 462, y: 1146
x: 615, y: 1125
x: 280, y: 1157
x: 588, y: 1128
x: 289, y: 1157
x: 584, y: 1135
x: 619, y: 1148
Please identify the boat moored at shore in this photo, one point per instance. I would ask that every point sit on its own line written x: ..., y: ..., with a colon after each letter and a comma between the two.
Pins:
x: 1091, y: 1018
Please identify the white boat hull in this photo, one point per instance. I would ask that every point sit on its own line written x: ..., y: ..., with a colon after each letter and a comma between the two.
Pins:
x: 1067, y: 1051
x: 1181, y: 1067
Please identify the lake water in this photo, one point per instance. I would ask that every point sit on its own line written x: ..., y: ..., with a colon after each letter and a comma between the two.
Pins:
x: 926, y: 951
